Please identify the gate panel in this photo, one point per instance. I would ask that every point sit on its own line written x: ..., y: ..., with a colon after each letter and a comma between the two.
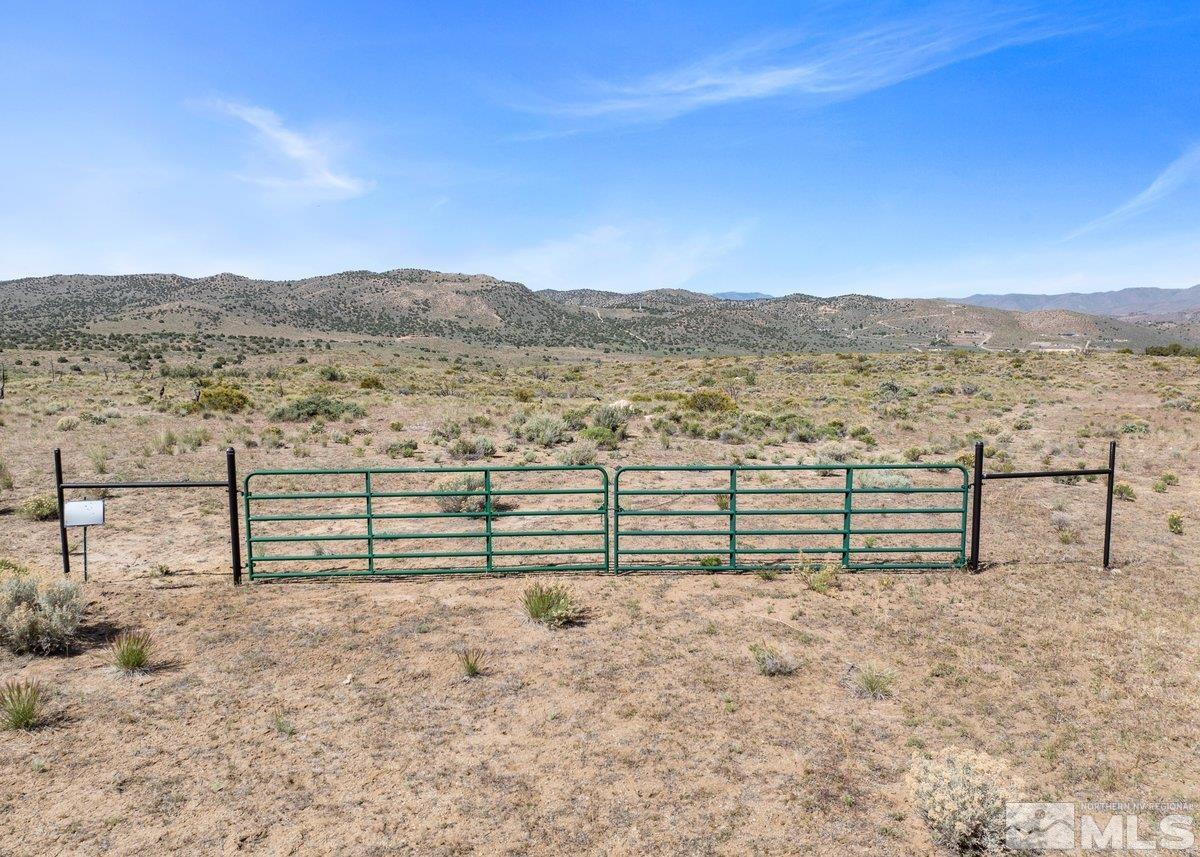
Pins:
x: 446, y: 520
x: 744, y: 517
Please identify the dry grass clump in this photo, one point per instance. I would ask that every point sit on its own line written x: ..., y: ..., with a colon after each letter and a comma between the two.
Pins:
x: 37, y: 618
x: 821, y: 578
x: 471, y: 662
x: 960, y: 795
x: 551, y: 605
x: 130, y: 652
x: 871, y: 681
x: 20, y: 705
x: 773, y: 661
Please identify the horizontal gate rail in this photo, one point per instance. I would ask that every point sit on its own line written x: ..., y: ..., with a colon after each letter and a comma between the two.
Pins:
x: 853, y: 522
x: 377, y: 542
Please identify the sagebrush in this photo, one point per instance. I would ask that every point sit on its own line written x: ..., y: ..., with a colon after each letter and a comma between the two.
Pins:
x: 41, y: 618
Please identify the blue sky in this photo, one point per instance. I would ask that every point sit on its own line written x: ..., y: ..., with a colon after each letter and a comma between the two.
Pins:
x: 898, y: 149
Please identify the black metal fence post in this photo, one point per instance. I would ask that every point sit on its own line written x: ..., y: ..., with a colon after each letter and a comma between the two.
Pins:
x: 235, y: 539
x: 976, y: 504
x: 62, y: 524
x: 1108, y: 509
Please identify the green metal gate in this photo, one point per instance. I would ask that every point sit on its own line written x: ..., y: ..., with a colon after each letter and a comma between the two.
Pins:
x: 669, y: 527
x: 469, y: 520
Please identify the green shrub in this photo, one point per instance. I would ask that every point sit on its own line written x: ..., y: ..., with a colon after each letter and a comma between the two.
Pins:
x: 44, y: 508
x: 67, y: 424
x: 20, y: 705
x: 601, y: 437
x: 446, y: 430
x: 1175, y: 523
x: 1124, y: 491
x: 39, y: 618
x: 130, y: 651
x: 709, y: 401
x: 882, y: 479
x: 543, y: 429
x: 472, y: 449
x: 11, y: 567
x: 371, y: 382
x: 471, y: 501
x: 316, y: 405
x: 1169, y: 479
x: 227, y: 398
x: 819, y: 578
x: 551, y: 605
x: 402, y: 449
x: 613, y: 418
x: 330, y: 373
x: 772, y: 661
x: 191, y: 439
x: 711, y: 561
x: 579, y: 453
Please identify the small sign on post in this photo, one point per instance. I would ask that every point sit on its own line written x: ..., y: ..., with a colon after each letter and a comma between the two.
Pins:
x: 84, y: 513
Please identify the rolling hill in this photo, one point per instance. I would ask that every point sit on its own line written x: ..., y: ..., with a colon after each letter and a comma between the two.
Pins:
x: 410, y: 304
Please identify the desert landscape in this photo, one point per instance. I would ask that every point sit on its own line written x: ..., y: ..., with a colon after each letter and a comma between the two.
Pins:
x: 774, y: 712
x: 682, y: 429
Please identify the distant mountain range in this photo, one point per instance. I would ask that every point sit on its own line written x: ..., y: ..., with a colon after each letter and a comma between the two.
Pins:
x: 1123, y: 303
x: 408, y: 304
x: 739, y: 296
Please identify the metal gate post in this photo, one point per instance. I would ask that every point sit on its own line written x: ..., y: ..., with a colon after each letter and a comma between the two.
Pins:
x: 1108, y: 508
x: 235, y: 541
x: 733, y: 557
x: 847, y: 516
x: 976, y: 504
x: 487, y: 521
x: 62, y: 524
x: 370, y: 523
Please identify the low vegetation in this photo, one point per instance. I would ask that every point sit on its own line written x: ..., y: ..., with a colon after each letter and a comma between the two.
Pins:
x: 20, y: 705
x: 551, y: 605
x: 130, y: 652
x: 960, y: 795
x: 771, y: 660
x: 471, y: 662
x: 38, y: 617
x: 871, y: 681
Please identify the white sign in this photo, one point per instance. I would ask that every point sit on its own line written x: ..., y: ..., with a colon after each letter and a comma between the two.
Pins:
x: 83, y: 513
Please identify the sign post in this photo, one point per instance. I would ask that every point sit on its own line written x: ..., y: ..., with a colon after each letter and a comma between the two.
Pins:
x: 83, y: 513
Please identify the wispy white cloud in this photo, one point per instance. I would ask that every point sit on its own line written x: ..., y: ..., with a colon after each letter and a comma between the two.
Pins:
x: 819, y: 64
x: 1180, y: 172
x: 617, y: 258
x: 307, y: 157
